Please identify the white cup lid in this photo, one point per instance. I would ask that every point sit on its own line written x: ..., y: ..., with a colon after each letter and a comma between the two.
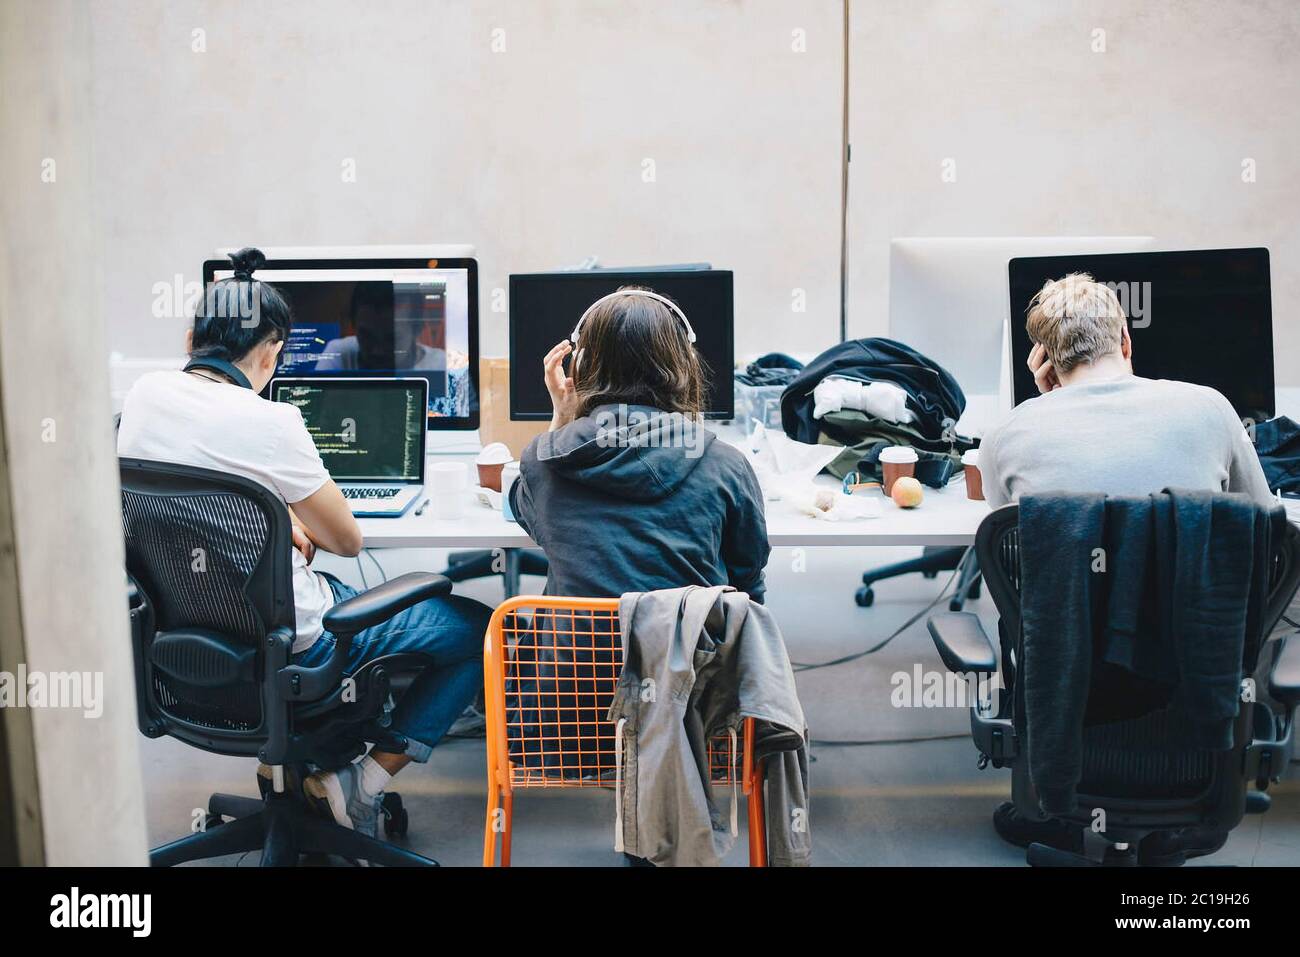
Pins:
x: 970, y: 457
x: 496, y: 453
x: 898, y: 454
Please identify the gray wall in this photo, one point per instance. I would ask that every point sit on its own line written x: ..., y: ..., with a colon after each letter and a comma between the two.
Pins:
x: 62, y: 591
x: 535, y: 153
x: 1050, y: 138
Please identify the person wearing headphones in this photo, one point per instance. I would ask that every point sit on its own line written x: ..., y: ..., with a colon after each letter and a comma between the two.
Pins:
x: 628, y: 491
x: 210, y: 415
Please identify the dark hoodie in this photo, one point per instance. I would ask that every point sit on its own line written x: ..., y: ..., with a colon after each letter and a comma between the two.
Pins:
x: 651, y: 502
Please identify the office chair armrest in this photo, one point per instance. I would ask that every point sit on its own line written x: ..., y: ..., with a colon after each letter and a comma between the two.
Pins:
x: 384, y: 601
x: 962, y: 642
x: 1284, y: 677
x: 344, y: 620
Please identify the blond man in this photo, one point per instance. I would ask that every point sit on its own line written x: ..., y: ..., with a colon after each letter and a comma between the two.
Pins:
x: 1097, y: 427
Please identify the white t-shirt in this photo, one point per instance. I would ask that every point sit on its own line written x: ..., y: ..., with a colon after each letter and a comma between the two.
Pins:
x: 189, y: 420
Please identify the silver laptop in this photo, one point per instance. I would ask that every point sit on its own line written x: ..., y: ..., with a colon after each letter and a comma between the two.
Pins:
x: 370, y: 434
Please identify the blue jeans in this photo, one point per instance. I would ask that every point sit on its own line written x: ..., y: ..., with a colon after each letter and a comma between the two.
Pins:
x: 450, y: 631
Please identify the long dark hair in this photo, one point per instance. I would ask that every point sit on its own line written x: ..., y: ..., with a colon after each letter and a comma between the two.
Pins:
x: 634, y: 350
x: 239, y: 313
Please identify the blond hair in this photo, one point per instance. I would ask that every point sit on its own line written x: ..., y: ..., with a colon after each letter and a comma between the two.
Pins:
x: 1076, y: 319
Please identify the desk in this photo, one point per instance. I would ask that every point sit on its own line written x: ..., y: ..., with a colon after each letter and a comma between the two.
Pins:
x: 945, y: 517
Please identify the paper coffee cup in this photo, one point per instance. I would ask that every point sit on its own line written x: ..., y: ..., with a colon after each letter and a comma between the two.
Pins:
x: 970, y: 462
x: 447, y: 483
x: 490, y: 462
x: 896, y: 461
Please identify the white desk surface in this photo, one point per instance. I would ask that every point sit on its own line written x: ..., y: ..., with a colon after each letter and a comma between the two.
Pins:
x: 945, y: 517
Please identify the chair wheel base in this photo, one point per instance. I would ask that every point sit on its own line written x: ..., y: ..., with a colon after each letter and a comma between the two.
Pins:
x: 285, y: 830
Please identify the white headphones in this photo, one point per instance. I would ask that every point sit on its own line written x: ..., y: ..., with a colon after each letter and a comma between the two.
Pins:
x: 690, y: 333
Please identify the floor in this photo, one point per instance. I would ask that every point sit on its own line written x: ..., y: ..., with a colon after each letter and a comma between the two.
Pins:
x: 923, y: 803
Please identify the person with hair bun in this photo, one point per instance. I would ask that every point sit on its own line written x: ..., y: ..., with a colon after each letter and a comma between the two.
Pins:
x: 210, y: 415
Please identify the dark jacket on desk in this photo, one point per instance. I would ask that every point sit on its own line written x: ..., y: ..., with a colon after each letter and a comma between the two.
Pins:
x: 932, y: 393
x: 1277, y: 443
x: 697, y: 663
x: 1168, y: 588
x: 641, y: 507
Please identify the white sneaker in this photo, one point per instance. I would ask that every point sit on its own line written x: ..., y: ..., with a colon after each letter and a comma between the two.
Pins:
x: 339, y: 795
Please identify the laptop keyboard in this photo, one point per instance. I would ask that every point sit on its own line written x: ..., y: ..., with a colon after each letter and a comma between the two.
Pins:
x: 378, y: 491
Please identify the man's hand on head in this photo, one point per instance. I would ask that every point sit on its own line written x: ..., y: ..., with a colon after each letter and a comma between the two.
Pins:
x: 1044, y: 372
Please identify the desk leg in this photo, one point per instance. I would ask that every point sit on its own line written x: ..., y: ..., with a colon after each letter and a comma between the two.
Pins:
x: 968, y: 577
x: 510, y: 574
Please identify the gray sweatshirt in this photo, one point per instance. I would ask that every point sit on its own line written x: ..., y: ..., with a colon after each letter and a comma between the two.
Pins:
x: 696, y: 663
x: 1125, y: 436
x: 649, y: 504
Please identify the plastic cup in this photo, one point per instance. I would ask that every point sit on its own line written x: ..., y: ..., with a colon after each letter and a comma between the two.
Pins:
x: 509, y: 475
x: 447, y: 482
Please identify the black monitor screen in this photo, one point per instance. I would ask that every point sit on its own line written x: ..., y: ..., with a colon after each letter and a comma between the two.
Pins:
x: 1202, y: 316
x: 364, y: 429
x: 544, y: 308
x: 380, y: 319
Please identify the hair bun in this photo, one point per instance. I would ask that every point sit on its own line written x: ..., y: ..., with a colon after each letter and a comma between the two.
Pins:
x: 247, y: 261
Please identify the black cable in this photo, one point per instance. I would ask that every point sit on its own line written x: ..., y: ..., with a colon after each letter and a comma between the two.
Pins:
x: 943, y: 593
x: 1293, y: 624
x: 821, y: 743
x: 365, y: 585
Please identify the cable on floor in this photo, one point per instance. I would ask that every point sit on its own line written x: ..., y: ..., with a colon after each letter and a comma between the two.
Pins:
x: 943, y: 593
x: 824, y: 743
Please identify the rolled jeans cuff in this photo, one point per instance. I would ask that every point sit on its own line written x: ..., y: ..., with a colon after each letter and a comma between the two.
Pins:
x: 417, y: 751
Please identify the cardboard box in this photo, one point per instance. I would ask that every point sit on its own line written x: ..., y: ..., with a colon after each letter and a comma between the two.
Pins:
x: 494, y: 408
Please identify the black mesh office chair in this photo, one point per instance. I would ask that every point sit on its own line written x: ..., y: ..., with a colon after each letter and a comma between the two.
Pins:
x: 509, y: 563
x: 212, y: 612
x: 1134, y: 770
x: 932, y: 560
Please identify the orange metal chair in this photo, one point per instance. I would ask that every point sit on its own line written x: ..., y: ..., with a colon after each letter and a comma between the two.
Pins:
x: 550, y: 667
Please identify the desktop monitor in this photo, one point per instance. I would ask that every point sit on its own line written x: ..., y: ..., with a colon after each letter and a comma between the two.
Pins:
x: 380, y: 319
x: 1202, y: 316
x: 365, y: 429
x: 544, y: 308
x: 948, y: 295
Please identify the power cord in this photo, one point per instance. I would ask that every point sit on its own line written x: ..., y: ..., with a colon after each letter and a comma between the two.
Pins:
x: 831, y: 743
x: 943, y: 593
x: 823, y: 743
x: 371, y: 555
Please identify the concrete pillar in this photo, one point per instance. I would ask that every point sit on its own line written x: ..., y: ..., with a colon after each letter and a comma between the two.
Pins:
x: 70, y: 786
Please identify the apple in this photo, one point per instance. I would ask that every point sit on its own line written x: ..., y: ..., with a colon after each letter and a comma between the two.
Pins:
x: 906, y: 492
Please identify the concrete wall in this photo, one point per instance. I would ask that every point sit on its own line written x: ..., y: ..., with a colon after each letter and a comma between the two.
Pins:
x: 62, y: 592
x: 1051, y: 138
x: 523, y: 128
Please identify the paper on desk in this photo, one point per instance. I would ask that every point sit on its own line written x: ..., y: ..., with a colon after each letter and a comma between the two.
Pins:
x: 831, y: 504
x: 783, y: 464
x: 487, y: 497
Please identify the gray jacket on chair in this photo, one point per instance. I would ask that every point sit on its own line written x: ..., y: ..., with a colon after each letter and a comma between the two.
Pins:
x: 697, y: 661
